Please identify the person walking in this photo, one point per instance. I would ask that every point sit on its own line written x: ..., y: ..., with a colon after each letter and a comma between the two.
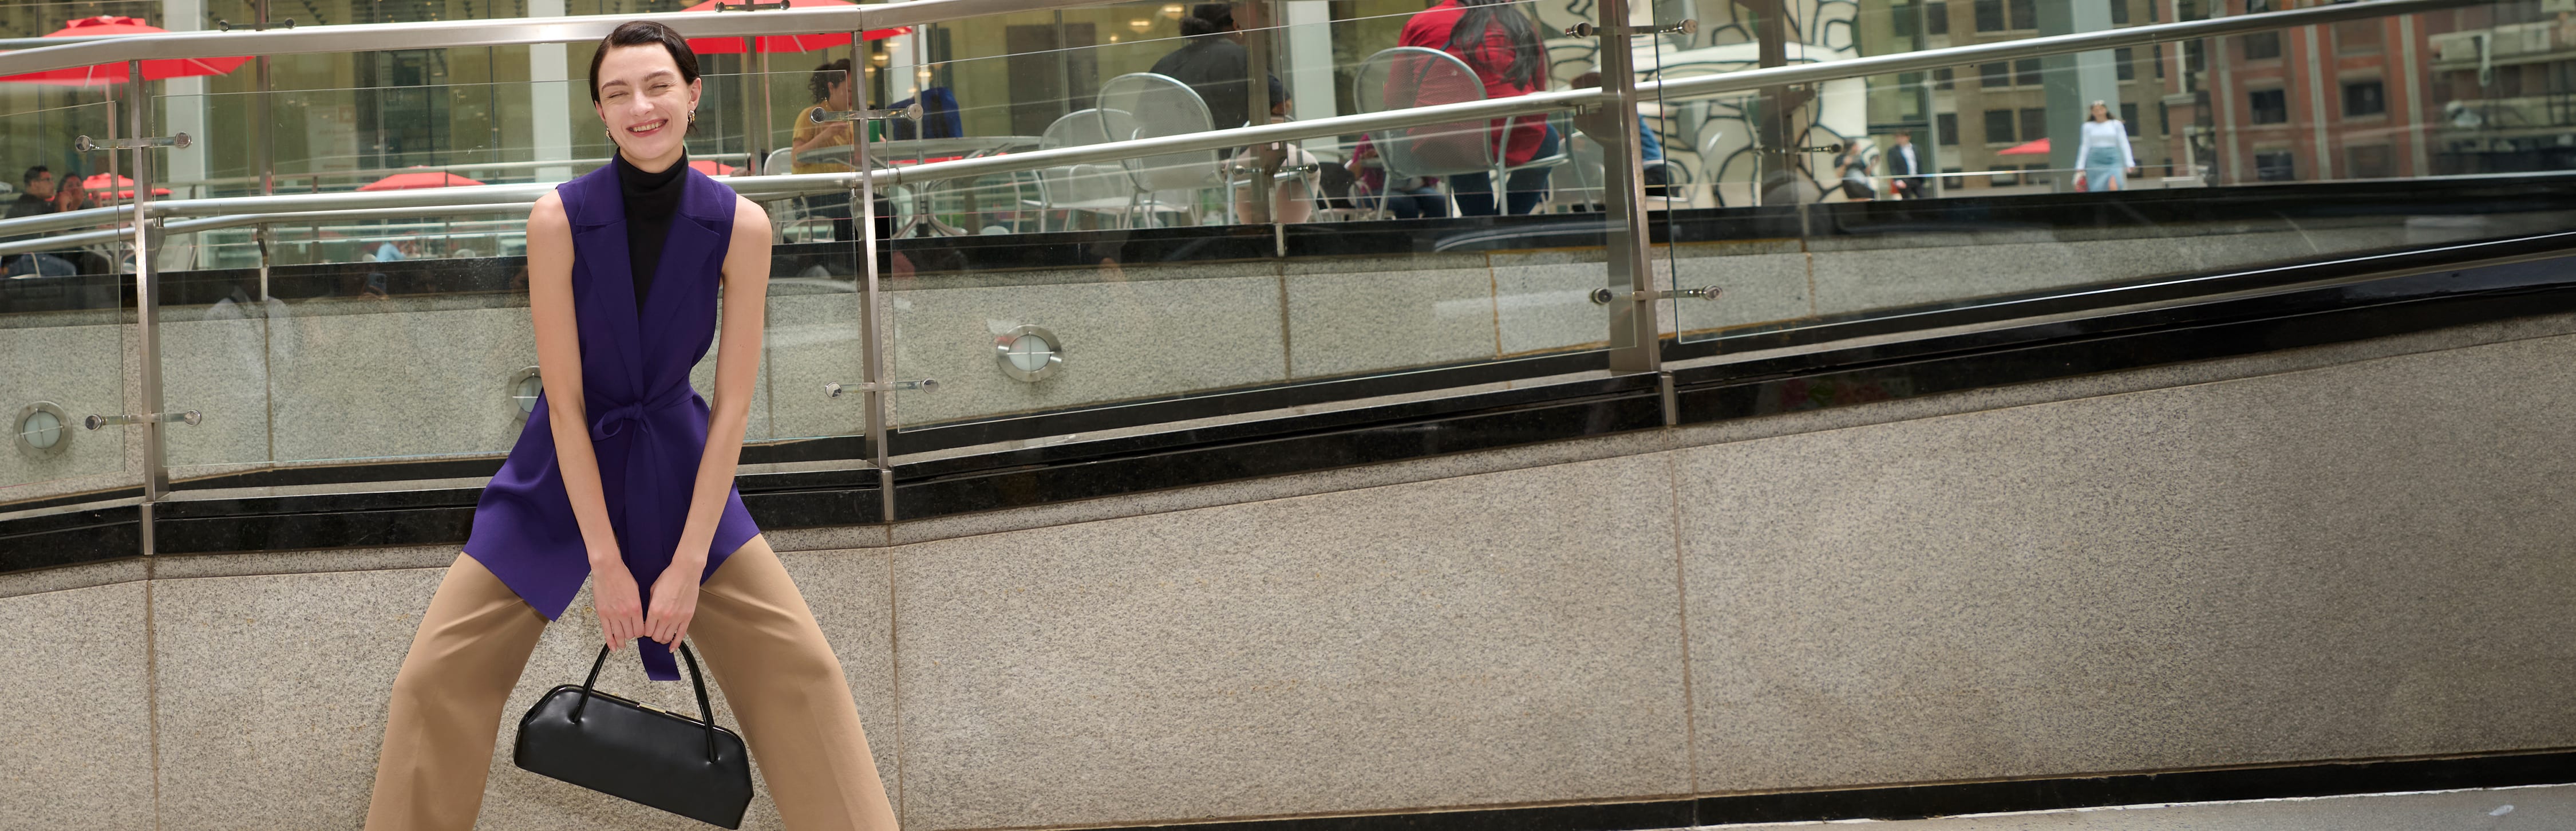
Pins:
x: 2105, y: 151
x: 624, y: 476
x: 1502, y: 45
x: 1905, y: 169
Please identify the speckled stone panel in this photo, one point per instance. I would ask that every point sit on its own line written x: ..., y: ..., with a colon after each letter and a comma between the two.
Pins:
x: 1354, y: 316
x: 1543, y: 299
x: 1500, y: 638
x: 1763, y: 283
x: 217, y: 364
x: 78, y: 750
x: 364, y: 386
x: 277, y: 684
x: 2352, y: 561
x: 813, y: 340
x: 81, y: 371
x: 1122, y: 340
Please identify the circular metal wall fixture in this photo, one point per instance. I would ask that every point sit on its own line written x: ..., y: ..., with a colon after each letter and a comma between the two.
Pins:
x: 44, y: 430
x: 1029, y: 353
x: 524, y: 387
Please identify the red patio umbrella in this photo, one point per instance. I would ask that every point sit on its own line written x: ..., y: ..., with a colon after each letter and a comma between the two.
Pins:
x: 712, y: 167
x: 114, y: 73
x: 420, y: 179
x: 2027, y: 148
x: 98, y: 184
x: 786, y: 43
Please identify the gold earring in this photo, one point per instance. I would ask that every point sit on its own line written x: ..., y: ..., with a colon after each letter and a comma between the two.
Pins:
x: 693, y: 116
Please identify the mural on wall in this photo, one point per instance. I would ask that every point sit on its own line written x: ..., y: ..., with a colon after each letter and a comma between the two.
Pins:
x: 1713, y: 139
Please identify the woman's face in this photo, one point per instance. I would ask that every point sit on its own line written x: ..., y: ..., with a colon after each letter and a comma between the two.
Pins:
x: 644, y: 102
x: 840, y: 99
x: 2101, y: 113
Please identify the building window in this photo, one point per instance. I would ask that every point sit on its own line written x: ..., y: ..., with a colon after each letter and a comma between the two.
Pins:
x: 2005, y: 180
x: 2164, y: 119
x: 2189, y: 10
x: 2263, y: 45
x: 2129, y: 118
x: 2362, y: 98
x: 2037, y: 174
x: 1944, y: 78
x: 2275, y: 166
x: 2025, y: 13
x: 2034, y: 123
x: 2271, y: 106
x: 2027, y: 73
x: 2119, y: 12
x: 1994, y: 75
x: 1990, y: 15
x: 1999, y: 126
x: 2124, y: 61
x: 2354, y: 36
x: 1940, y: 22
x: 2372, y: 162
x: 2158, y: 51
x: 1947, y: 124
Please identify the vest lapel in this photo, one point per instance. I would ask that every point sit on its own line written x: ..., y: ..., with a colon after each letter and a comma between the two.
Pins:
x: 599, y: 239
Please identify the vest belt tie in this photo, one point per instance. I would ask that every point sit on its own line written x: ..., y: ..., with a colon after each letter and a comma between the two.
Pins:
x: 613, y: 421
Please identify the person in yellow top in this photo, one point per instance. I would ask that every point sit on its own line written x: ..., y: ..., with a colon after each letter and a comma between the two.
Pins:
x: 832, y: 86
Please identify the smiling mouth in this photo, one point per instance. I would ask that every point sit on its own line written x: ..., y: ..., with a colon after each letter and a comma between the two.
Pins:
x: 641, y: 129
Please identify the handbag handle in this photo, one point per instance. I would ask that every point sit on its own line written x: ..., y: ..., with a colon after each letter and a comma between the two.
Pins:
x: 706, y: 711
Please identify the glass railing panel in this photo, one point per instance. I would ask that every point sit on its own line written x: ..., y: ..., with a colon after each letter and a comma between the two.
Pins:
x: 2306, y: 143
x: 1161, y: 276
x: 66, y: 317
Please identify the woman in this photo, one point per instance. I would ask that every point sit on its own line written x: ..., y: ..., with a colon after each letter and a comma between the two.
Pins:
x: 1214, y: 63
x: 2105, y: 150
x: 1852, y: 167
x: 830, y: 85
x: 1502, y: 46
x: 625, y: 475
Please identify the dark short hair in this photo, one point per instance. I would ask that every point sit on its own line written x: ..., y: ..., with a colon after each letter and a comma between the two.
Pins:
x: 33, y: 172
x: 644, y: 33
x: 1207, y: 19
x: 831, y: 72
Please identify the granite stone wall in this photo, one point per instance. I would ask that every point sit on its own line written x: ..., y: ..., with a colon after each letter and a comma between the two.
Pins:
x: 2347, y: 552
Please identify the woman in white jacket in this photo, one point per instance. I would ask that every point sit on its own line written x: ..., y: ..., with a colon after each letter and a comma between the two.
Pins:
x: 2105, y: 152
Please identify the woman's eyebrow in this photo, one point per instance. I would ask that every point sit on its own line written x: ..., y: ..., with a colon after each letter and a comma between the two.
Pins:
x: 647, y: 77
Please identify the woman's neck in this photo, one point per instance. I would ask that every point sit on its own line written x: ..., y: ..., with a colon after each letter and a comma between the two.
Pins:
x: 655, y: 165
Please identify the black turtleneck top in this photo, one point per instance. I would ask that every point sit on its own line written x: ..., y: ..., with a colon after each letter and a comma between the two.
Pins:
x: 651, y: 199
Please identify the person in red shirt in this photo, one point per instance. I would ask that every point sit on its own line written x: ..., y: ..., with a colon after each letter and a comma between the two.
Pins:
x: 1502, y: 45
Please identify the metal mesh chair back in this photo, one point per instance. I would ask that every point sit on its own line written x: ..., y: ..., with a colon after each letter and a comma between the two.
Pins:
x: 1411, y: 76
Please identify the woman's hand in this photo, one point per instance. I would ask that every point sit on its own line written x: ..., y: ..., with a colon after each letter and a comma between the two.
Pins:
x: 675, y: 601
x: 613, y: 597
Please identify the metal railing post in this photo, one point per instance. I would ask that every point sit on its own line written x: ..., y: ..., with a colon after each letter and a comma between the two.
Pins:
x: 147, y: 302
x: 1634, y: 334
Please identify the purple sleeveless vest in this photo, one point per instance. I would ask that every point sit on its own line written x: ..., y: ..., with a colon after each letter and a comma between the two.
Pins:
x: 647, y: 426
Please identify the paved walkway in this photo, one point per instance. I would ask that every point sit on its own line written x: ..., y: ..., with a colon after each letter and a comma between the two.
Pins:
x: 2505, y: 809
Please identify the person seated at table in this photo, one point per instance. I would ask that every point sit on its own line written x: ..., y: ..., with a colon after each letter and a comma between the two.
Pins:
x: 1214, y: 64
x: 1404, y: 197
x: 1290, y: 200
x: 1502, y: 45
x: 43, y: 194
x: 831, y: 86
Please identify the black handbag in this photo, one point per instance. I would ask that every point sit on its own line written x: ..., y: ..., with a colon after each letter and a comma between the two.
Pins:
x: 638, y: 752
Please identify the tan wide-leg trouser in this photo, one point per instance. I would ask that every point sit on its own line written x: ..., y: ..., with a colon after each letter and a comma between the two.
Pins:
x: 752, y: 627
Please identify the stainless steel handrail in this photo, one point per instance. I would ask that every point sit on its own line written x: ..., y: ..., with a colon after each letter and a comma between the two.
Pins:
x: 451, y: 34
x: 1705, y: 86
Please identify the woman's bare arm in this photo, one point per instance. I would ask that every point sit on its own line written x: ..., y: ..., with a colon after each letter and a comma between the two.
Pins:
x: 746, y: 301
x: 550, y: 303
